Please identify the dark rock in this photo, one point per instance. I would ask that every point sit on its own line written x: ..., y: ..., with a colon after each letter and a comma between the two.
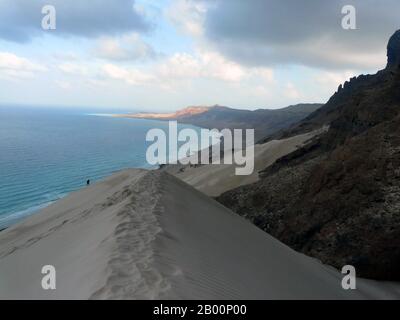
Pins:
x: 338, y: 197
x: 393, y: 51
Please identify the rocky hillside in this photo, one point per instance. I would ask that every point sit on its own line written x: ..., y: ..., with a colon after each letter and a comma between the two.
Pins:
x: 264, y: 121
x: 338, y: 198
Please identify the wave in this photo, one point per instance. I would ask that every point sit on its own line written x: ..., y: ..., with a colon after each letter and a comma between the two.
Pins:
x: 10, y: 219
x: 100, y: 114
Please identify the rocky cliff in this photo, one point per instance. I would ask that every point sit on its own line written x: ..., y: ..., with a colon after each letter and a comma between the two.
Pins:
x: 338, y: 198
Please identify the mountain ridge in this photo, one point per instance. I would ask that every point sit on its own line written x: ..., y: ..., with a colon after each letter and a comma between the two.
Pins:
x: 264, y: 121
x: 337, y: 198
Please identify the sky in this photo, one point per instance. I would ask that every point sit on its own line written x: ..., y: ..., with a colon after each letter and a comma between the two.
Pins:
x: 168, y: 54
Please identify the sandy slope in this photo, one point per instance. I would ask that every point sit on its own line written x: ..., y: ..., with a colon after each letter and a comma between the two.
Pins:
x: 214, y: 179
x: 142, y: 234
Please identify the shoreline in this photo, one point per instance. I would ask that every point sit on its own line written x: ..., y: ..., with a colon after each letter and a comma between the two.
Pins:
x: 37, y: 207
x: 25, y: 194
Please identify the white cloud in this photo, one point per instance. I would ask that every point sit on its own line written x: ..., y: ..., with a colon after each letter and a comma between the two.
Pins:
x: 204, y: 64
x: 187, y: 16
x: 66, y: 56
x: 265, y: 74
x: 129, y: 47
x: 63, y: 84
x: 180, y: 69
x: 74, y: 68
x: 262, y: 91
x: 129, y: 75
x: 292, y: 92
x: 216, y: 66
x: 13, y: 66
x: 180, y: 66
x: 333, y: 79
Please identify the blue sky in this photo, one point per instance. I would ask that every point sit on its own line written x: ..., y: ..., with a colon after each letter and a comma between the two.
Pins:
x: 168, y: 54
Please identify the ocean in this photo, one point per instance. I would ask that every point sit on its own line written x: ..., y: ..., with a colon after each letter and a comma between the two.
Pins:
x: 45, y: 153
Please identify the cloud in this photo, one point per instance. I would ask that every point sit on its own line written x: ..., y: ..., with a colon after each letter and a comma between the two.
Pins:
x: 74, y: 68
x: 276, y: 32
x: 334, y: 79
x: 130, y: 75
x: 204, y: 64
x: 13, y: 66
x: 187, y: 16
x: 182, y: 68
x: 65, y: 85
x: 20, y: 20
x: 292, y: 92
x: 128, y: 47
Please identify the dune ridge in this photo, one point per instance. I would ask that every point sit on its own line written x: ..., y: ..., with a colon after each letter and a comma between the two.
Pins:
x: 147, y: 235
x: 215, y: 179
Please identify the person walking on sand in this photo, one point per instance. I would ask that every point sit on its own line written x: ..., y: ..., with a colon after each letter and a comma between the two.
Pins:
x: 87, y: 182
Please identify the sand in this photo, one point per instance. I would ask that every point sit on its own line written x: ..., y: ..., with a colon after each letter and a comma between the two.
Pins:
x: 147, y: 235
x: 215, y: 179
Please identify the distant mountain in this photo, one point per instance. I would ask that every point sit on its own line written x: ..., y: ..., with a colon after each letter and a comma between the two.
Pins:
x: 338, y: 197
x: 264, y: 121
x: 184, y: 113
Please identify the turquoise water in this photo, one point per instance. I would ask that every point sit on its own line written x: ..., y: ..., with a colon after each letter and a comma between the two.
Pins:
x: 47, y: 153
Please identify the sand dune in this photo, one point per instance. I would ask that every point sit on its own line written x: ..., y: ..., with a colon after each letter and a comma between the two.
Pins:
x: 146, y: 235
x: 215, y: 179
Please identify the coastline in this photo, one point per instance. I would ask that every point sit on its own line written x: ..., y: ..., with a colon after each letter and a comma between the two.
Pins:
x: 47, y: 178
